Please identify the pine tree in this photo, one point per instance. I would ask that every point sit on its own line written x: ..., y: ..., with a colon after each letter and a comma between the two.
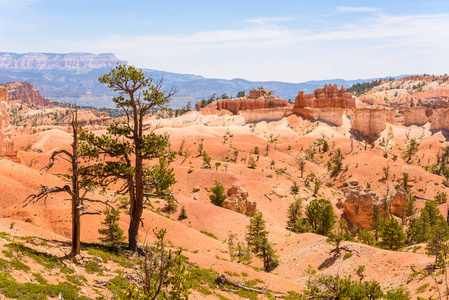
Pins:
x: 218, y: 194
x: 257, y: 239
x: 393, y: 237
x: 321, y: 216
x: 112, y: 233
x: 295, y: 221
x: 183, y: 214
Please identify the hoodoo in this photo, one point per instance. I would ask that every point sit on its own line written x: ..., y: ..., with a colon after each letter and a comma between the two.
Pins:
x: 8, y: 147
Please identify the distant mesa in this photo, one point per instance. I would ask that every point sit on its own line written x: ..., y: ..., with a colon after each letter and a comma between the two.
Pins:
x: 50, y: 61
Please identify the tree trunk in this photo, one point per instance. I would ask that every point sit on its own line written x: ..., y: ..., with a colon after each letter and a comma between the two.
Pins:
x: 136, y: 210
x: 76, y: 226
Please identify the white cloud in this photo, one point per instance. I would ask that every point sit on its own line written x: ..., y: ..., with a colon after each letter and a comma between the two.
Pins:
x: 269, y: 20
x: 378, y: 41
x: 357, y: 9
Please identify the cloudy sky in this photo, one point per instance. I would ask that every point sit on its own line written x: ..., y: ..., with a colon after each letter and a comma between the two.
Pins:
x: 282, y: 40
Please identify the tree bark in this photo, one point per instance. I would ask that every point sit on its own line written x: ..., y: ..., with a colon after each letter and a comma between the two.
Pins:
x: 76, y: 224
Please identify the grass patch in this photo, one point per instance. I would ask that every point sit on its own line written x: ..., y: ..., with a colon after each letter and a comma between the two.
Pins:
x: 39, y: 278
x: 15, y: 263
x: 422, y: 288
x: 120, y: 285
x: 48, y: 261
x: 347, y: 255
x: 36, y: 291
x: 5, y: 236
x: 80, y: 280
x: 107, y: 253
x: 202, y: 280
x: 209, y: 234
x: 93, y: 267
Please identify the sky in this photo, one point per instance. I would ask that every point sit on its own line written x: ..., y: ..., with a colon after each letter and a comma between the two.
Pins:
x: 263, y: 40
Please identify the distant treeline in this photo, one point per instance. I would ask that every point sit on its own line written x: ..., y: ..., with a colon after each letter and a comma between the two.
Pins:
x: 362, y: 88
x: 113, y: 112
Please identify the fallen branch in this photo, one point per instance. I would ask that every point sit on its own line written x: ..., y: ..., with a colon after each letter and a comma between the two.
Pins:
x: 223, y: 279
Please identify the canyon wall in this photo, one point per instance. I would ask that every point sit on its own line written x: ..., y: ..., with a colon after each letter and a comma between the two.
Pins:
x: 25, y: 92
x: 370, y: 122
x: 265, y: 114
x: 440, y: 119
x: 390, y: 116
x: 331, y: 115
x: 8, y: 147
x: 416, y: 116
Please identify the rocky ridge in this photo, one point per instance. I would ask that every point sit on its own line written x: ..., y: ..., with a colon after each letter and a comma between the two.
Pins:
x: 25, y: 92
x: 51, y: 61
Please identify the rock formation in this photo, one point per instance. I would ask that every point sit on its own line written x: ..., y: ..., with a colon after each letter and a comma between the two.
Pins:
x: 370, y: 122
x: 237, y: 200
x: 256, y: 99
x: 440, y: 119
x: 327, y: 97
x: 266, y: 114
x: 325, y: 104
x: 416, y: 116
x: 25, y: 92
x: 390, y: 116
x: 331, y: 115
x: 7, y: 144
x: 398, y: 202
x: 358, y: 205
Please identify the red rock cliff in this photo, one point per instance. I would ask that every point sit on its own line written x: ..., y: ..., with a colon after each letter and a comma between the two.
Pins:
x: 327, y: 97
x: 25, y: 92
x: 254, y: 100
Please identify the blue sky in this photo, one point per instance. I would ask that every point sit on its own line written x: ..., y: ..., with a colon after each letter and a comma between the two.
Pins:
x: 265, y: 40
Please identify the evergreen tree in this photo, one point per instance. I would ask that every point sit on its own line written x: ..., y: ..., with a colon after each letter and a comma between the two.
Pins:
x: 218, y: 195
x: 393, y: 237
x: 112, y: 233
x: 121, y: 154
x: 420, y: 229
x: 293, y: 214
x: 182, y: 214
x: 257, y: 239
x: 321, y: 216
x: 295, y: 221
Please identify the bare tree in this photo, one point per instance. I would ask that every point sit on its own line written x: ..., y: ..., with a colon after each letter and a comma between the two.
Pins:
x: 78, y: 185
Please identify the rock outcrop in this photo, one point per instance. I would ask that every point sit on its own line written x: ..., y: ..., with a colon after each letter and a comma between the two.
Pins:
x: 416, y: 116
x: 266, y: 114
x: 256, y: 99
x: 440, y: 119
x: 327, y: 97
x: 327, y: 104
x: 370, y: 122
x: 25, y: 92
x: 8, y: 147
x: 358, y: 205
x: 237, y: 200
x: 398, y: 203
x: 390, y: 116
x: 331, y: 115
